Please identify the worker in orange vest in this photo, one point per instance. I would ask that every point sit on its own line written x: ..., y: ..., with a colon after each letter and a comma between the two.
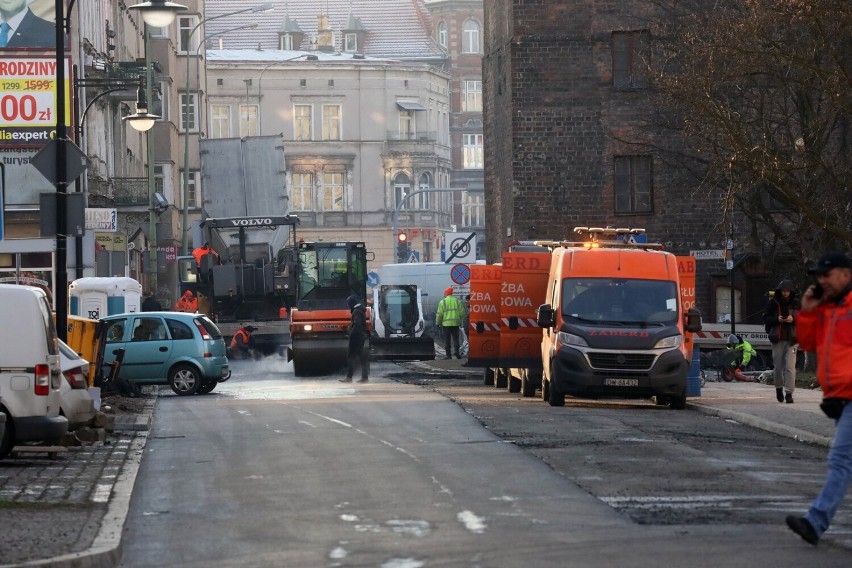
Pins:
x: 187, y: 303
x: 200, y: 252
x: 242, y: 343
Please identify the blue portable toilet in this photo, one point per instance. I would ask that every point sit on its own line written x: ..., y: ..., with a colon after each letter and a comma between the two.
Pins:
x: 94, y: 298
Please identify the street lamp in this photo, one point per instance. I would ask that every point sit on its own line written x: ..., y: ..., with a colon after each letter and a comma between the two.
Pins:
x: 185, y: 188
x: 141, y: 121
x: 259, y: 92
x: 63, y: 26
x: 158, y: 13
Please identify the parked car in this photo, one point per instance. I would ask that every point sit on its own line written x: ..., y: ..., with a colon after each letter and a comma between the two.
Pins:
x: 30, y: 376
x: 76, y: 404
x: 183, y: 350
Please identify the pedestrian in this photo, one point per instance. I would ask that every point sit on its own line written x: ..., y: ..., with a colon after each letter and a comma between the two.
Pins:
x: 242, y: 343
x: 20, y: 27
x: 358, y: 335
x: 150, y: 303
x: 778, y: 320
x: 187, y: 303
x: 449, y: 318
x: 824, y: 325
x: 744, y: 353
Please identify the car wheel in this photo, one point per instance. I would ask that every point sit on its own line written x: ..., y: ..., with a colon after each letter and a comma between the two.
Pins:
x: 8, y: 441
x: 661, y: 400
x: 184, y: 380
x: 678, y: 402
x: 515, y: 383
x: 488, y: 377
x: 531, y: 381
x: 501, y: 380
x: 555, y: 398
x: 207, y: 388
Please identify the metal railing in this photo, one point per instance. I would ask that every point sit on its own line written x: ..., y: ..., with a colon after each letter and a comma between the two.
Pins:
x: 426, y: 136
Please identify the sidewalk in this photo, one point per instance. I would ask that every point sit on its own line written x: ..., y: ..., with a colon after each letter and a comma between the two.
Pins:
x: 92, y: 486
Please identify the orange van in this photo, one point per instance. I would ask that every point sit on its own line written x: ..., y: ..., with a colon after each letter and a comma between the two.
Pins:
x: 614, y: 324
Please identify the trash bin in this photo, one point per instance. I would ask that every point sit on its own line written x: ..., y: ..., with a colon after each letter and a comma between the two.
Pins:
x: 693, y: 379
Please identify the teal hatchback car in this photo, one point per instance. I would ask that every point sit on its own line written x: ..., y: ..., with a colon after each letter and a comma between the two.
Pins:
x: 183, y: 350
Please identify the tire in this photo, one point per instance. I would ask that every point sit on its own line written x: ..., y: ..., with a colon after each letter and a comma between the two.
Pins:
x: 555, y: 398
x: 515, y: 383
x: 8, y: 441
x: 184, y: 380
x: 530, y: 383
x: 501, y: 379
x: 727, y: 374
x: 661, y: 400
x: 488, y: 377
x: 298, y: 367
x: 678, y: 402
x: 207, y: 388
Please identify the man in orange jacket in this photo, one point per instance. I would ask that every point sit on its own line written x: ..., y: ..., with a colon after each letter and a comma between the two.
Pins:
x: 187, y: 303
x: 824, y: 325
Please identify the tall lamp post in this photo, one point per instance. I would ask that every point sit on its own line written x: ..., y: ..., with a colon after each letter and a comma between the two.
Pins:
x: 260, y: 92
x: 158, y: 9
x: 185, y: 187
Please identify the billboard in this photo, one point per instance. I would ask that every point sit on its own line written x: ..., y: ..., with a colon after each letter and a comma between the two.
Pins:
x: 28, y: 100
x: 30, y: 24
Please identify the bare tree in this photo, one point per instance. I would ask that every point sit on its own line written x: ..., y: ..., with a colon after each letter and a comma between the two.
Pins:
x: 762, y: 90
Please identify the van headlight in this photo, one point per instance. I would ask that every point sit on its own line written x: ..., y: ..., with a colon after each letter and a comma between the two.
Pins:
x: 669, y: 342
x: 571, y: 339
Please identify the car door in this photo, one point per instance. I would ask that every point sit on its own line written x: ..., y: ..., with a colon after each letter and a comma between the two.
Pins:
x: 148, y: 349
x: 112, y: 335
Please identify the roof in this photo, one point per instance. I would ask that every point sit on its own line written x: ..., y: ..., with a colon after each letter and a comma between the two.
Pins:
x: 400, y: 29
x: 248, y: 55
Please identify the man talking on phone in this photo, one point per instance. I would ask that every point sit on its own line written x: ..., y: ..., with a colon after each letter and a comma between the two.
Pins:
x: 824, y: 325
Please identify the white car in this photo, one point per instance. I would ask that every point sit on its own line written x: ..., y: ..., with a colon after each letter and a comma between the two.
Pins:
x: 76, y: 404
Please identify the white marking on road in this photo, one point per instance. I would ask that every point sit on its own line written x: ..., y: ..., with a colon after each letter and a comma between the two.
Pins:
x: 338, y: 553
x: 403, y: 563
x: 643, y: 440
x: 349, y: 518
x: 414, y: 528
x: 368, y: 528
x: 442, y: 487
x: 254, y: 477
x: 334, y: 420
x: 244, y: 412
x: 101, y: 493
x: 306, y: 423
x: 503, y: 498
x: 471, y: 522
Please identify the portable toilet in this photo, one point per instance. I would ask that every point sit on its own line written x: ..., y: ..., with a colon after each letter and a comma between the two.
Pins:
x: 94, y: 298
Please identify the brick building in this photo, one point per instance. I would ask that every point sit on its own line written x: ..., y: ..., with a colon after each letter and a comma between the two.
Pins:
x: 571, y: 139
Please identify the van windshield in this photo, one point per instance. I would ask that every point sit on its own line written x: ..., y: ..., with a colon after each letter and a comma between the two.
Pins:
x: 610, y: 301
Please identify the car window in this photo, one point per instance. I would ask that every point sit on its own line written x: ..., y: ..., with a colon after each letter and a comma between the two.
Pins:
x: 178, y: 329
x: 210, y: 327
x: 149, y: 329
x: 115, y: 331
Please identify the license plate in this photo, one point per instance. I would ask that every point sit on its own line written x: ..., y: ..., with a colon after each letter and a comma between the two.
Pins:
x: 621, y: 382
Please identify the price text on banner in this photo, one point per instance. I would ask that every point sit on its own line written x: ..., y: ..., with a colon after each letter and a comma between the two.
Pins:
x: 28, y: 101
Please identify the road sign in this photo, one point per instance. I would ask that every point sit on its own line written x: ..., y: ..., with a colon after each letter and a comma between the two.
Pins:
x: 708, y: 254
x: 373, y: 279
x: 460, y: 246
x: 460, y: 274
x: 413, y: 257
x: 45, y: 161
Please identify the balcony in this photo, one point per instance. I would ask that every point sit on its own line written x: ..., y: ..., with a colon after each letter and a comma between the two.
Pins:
x: 397, y: 136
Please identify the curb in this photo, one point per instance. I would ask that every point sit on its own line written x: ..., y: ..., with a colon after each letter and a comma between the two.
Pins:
x: 762, y: 424
x: 106, y: 550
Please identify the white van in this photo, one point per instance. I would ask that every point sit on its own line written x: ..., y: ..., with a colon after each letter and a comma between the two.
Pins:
x: 30, y: 376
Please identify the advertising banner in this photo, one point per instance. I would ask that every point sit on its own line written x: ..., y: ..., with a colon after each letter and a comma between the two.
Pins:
x: 28, y: 101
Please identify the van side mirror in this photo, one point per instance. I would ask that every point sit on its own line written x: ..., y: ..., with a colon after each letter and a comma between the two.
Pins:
x: 545, y: 316
x: 692, y: 321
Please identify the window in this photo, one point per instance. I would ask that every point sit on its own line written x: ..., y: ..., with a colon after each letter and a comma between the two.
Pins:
x: 425, y: 183
x: 332, y: 191
x: 401, y: 188
x: 178, y: 329
x: 407, y: 125
x: 473, y: 210
x: 474, y: 156
x: 160, y: 101
x: 632, y: 184
x: 442, y: 34
x: 302, y: 122
x: 187, y: 44
x: 470, y: 37
x: 630, y: 51
x: 472, y: 96
x: 158, y: 32
x: 302, y: 192
x: 286, y: 42
x: 192, y: 188
x: 248, y: 120
x: 159, y: 179
x: 220, y: 121
x: 188, y: 106
x: 331, y: 122
x: 723, y: 305
x: 350, y: 42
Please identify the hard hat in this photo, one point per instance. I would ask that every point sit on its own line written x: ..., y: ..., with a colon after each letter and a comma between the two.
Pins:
x: 733, y: 339
x: 448, y: 291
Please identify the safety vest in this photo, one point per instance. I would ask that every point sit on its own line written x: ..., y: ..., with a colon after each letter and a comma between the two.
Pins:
x: 449, y: 311
x: 185, y: 304
x: 239, y: 345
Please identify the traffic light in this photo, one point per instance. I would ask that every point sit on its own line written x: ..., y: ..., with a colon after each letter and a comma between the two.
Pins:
x: 402, y: 246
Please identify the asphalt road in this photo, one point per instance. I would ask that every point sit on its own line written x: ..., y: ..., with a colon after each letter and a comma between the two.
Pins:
x: 270, y: 470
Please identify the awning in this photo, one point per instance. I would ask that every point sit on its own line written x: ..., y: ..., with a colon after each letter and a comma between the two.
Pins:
x: 409, y: 105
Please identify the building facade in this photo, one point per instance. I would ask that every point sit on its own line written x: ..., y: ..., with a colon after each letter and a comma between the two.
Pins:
x: 573, y: 140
